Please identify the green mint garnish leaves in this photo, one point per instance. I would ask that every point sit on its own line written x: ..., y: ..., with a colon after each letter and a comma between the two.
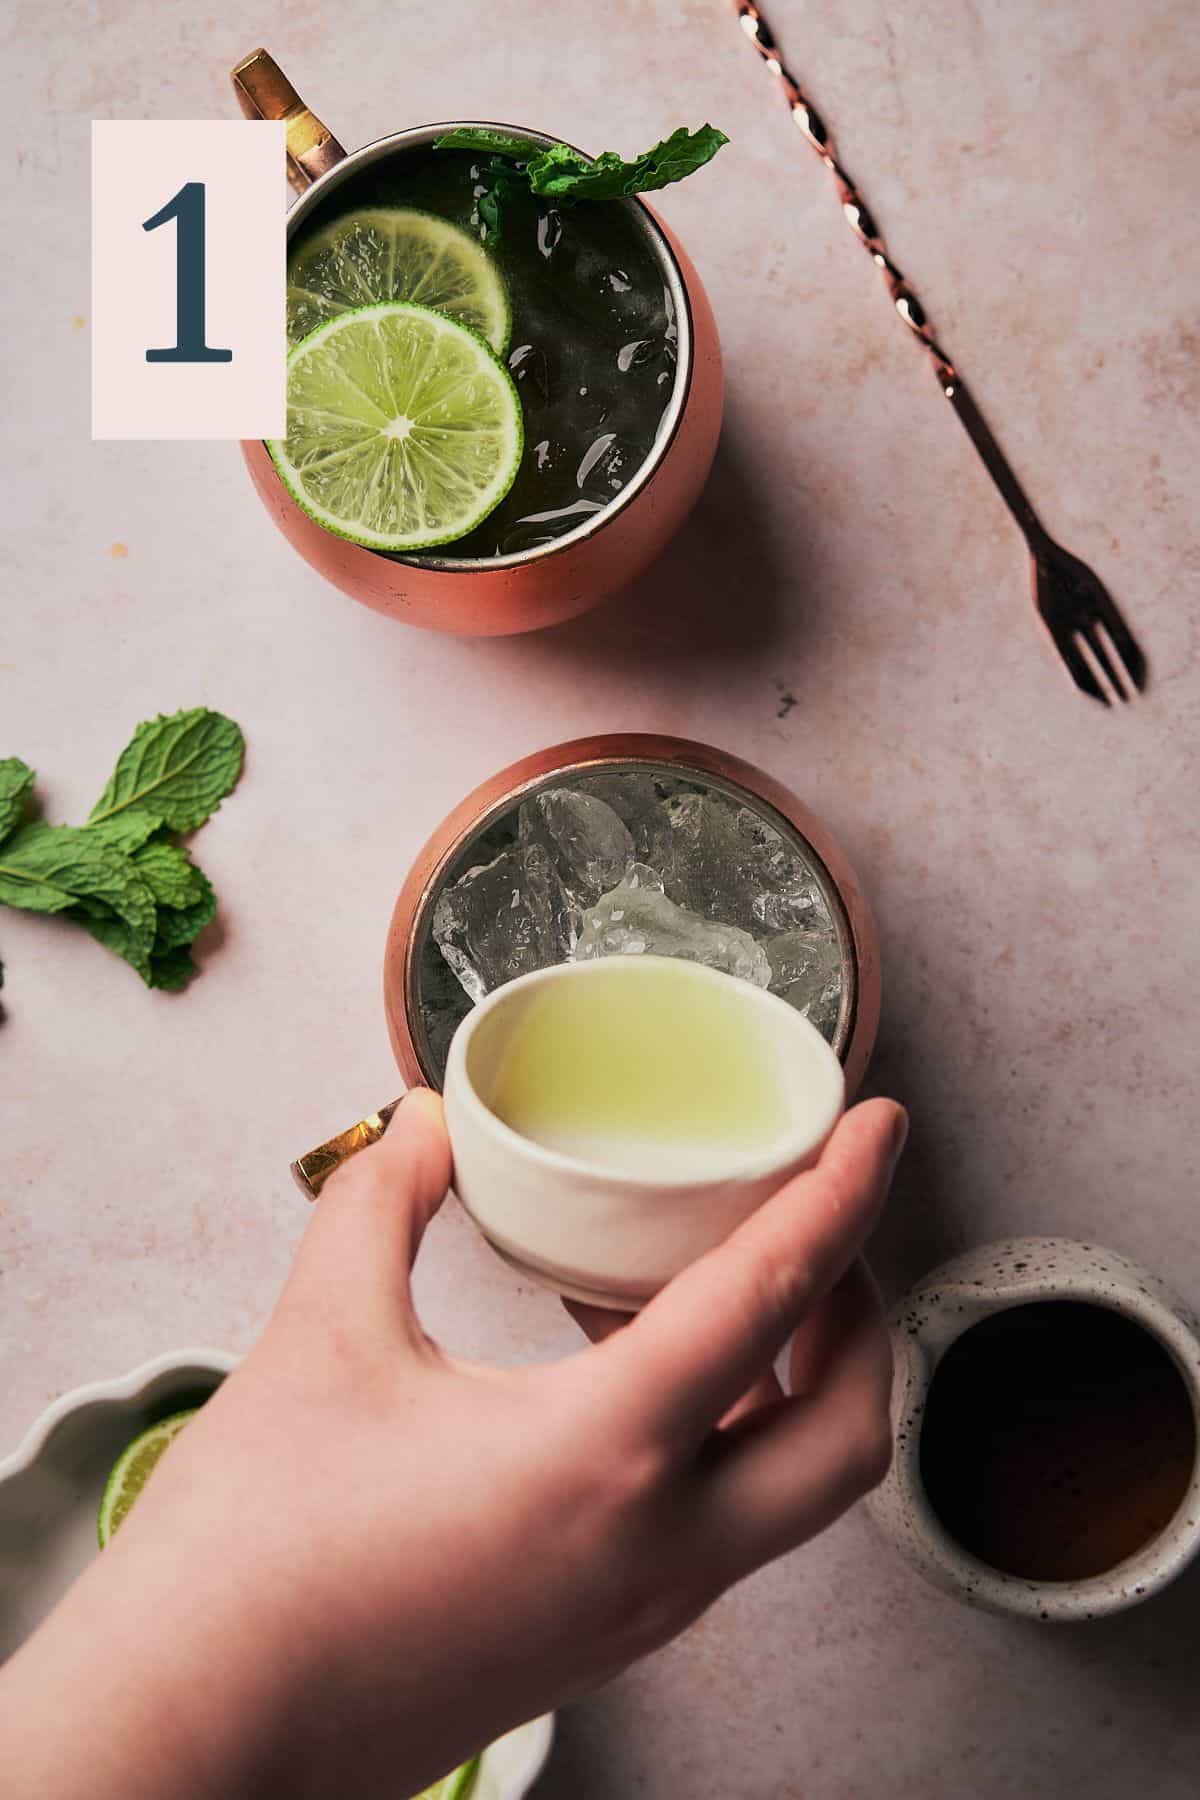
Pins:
x: 180, y: 768
x: 487, y: 209
x: 172, y: 878
x: 178, y: 928
x: 172, y: 969
x: 116, y: 935
x: 184, y: 894
x: 565, y: 175
x: 61, y: 868
x: 487, y: 142
x: 118, y: 876
x: 126, y: 831
x: 501, y: 182
x: 510, y: 165
x: 16, y: 779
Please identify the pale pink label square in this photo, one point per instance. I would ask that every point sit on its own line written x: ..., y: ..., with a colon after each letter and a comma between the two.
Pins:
x: 218, y: 188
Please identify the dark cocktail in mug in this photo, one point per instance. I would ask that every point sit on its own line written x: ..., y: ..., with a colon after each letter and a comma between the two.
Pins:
x: 504, y: 387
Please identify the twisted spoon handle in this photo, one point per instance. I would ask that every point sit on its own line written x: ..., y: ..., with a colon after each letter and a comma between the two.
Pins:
x: 907, y: 305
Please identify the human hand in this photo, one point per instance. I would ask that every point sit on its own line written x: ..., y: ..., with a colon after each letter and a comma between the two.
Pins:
x: 366, y: 1557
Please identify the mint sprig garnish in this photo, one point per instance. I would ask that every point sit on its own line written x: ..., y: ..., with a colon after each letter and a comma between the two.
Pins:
x: 489, y: 142
x: 566, y: 175
x: 120, y: 876
x: 510, y: 162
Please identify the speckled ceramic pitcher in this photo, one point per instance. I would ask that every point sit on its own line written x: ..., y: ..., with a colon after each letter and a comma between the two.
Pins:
x: 932, y: 1317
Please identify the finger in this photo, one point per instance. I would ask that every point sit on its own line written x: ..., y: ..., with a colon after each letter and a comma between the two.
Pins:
x: 394, y: 1188
x: 786, y: 1474
x: 698, y: 1346
x: 763, y: 1393
x: 600, y: 1322
x: 820, y: 1334
x: 368, y: 1223
x: 815, y: 1340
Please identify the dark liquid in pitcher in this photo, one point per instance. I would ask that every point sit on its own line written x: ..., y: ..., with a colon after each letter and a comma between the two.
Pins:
x: 1058, y: 1439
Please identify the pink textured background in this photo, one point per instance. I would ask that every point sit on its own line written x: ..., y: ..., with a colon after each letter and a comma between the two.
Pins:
x: 1033, y: 860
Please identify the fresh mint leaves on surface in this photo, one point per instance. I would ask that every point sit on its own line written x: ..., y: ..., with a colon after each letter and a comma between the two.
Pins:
x: 59, y: 868
x: 126, y: 831
x: 179, y: 769
x: 564, y: 175
x: 16, y: 779
x: 120, y: 876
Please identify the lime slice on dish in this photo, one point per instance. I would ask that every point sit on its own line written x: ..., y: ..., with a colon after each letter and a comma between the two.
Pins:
x: 453, y: 1787
x: 404, y: 430
x: 395, y: 253
x: 133, y: 1469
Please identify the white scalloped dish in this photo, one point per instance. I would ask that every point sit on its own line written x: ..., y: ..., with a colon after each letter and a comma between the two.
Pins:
x: 50, y: 1490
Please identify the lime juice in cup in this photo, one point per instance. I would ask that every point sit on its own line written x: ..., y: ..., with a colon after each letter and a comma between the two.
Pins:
x: 483, y: 346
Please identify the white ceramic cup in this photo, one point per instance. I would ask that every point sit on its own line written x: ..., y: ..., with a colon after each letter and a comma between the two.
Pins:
x: 931, y: 1317
x: 612, y: 1229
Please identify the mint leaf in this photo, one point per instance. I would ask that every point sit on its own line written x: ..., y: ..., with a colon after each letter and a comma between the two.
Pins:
x: 118, y: 876
x: 185, y: 905
x: 487, y: 141
x: 179, y: 927
x: 172, y: 878
x: 61, y: 868
x: 179, y: 768
x: 115, y: 934
x: 184, y: 894
x: 500, y: 183
x: 171, y: 969
x: 125, y: 831
x: 566, y: 175
x: 500, y: 173
x: 16, y: 779
x: 36, y: 881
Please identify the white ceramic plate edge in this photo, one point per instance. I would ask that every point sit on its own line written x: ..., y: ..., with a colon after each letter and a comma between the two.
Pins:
x: 124, y: 1387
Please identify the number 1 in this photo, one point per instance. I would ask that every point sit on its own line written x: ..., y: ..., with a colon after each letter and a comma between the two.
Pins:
x: 187, y: 209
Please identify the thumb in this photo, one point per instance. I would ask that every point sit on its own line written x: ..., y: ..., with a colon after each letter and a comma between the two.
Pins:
x: 369, y: 1221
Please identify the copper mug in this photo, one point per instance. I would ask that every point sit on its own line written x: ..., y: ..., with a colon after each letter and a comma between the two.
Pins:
x: 412, y: 962
x: 498, y: 596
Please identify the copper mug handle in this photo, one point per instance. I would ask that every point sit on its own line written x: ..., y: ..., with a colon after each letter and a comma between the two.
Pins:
x: 264, y: 92
x: 312, y: 1170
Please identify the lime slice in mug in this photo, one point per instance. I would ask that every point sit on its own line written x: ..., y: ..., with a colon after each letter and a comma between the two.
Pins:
x: 453, y: 1787
x: 395, y: 253
x: 133, y: 1469
x: 404, y: 430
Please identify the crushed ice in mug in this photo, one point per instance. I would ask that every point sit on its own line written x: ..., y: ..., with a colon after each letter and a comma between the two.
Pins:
x: 630, y: 862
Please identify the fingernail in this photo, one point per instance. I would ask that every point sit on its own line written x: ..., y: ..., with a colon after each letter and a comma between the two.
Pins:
x: 899, y: 1135
x: 423, y: 1099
